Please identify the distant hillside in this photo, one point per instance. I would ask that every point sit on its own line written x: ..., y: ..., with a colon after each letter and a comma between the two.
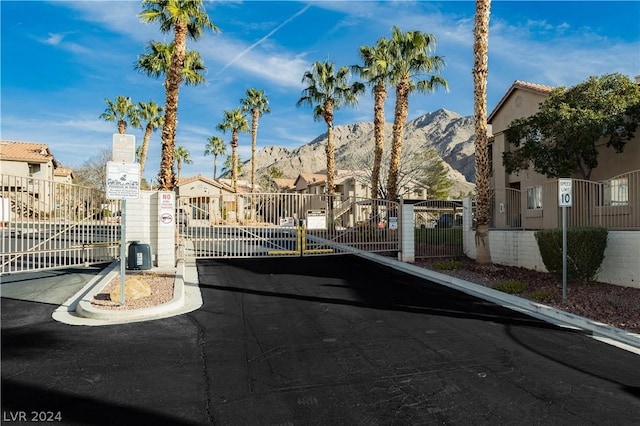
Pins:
x: 450, y: 134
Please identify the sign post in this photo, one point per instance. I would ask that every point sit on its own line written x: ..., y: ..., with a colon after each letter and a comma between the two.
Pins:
x: 565, y: 199
x: 123, y: 182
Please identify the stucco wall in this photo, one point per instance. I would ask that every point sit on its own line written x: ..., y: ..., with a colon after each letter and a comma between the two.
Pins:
x: 621, y: 265
x: 144, y: 225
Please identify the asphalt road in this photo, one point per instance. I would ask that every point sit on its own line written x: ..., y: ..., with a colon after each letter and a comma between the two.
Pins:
x: 315, y: 341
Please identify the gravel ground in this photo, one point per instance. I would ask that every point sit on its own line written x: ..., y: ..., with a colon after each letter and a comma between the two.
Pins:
x: 610, y: 304
x: 161, y: 284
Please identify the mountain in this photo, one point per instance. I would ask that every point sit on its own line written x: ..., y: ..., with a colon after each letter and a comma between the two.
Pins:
x: 450, y: 134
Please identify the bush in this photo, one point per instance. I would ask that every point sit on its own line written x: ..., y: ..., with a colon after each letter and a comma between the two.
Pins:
x: 447, y: 265
x: 511, y: 286
x: 542, y: 296
x: 585, y: 251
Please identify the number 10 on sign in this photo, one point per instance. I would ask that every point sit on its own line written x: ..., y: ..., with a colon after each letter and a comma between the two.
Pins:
x: 564, y: 193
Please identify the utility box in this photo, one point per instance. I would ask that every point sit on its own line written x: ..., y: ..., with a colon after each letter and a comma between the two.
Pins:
x: 139, y: 256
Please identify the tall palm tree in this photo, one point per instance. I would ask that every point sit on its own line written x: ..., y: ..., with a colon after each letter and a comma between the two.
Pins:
x: 257, y: 103
x: 121, y: 111
x: 151, y: 114
x: 328, y: 89
x: 182, y: 155
x: 376, y: 70
x: 480, y: 71
x: 410, y: 62
x: 236, y: 122
x: 215, y: 147
x: 156, y: 61
x: 185, y: 18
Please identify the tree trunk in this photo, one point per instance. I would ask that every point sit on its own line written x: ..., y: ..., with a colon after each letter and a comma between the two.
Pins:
x: 145, y: 148
x: 378, y: 131
x: 400, y: 118
x: 480, y: 71
x: 254, y: 136
x: 234, y: 161
x: 166, y: 177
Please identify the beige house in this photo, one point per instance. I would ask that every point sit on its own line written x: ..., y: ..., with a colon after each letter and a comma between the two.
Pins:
x: 31, y: 170
x: 529, y: 200
x: 33, y: 160
x: 202, y: 201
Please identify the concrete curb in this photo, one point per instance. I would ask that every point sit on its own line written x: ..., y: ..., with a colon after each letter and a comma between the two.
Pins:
x: 87, y: 310
x: 547, y: 313
x: 78, y: 310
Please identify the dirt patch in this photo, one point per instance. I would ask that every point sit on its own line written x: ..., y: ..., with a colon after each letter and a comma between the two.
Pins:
x: 161, y: 284
x: 607, y: 303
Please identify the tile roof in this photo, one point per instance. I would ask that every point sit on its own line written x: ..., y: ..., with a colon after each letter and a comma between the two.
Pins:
x: 25, y: 151
x: 62, y: 171
x: 200, y: 177
x: 521, y: 85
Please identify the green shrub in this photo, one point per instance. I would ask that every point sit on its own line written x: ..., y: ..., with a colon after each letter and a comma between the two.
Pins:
x: 447, y: 265
x: 542, y: 296
x: 585, y: 251
x: 511, y: 286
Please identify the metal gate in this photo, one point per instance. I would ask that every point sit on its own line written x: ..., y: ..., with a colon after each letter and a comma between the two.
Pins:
x: 438, y: 228
x: 46, y: 225
x: 286, y: 224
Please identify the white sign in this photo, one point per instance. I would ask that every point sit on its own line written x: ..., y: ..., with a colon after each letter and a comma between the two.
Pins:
x: 124, y: 148
x: 393, y: 222
x: 565, y: 198
x: 123, y: 181
x: 316, y: 219
x: 167, y: 210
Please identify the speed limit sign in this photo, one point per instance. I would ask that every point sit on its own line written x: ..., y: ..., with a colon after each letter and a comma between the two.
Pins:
x: 565, y: 198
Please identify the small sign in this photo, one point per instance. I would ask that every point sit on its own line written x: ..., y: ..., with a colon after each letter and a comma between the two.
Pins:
x: 393, y: 222
x: 316, y: 219
x: 565, y: 198
x: 166, y: 212
x: 124, y: 148
x: 123, y: 181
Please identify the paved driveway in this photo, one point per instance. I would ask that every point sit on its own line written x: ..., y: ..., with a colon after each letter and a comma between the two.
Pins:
x: 316, y: 341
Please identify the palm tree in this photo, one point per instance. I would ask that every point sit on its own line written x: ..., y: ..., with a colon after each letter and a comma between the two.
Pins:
x: 215, y: 147
x: 410, y: 60
x: 151, y: 114
x: 182, y: 155
x: 327, y: 91
x: 480, y: 71
x: 185, y: 18
x: 376, y: 71
x: 121, y: 111
x: 257, y: 103
x: 234, y: 121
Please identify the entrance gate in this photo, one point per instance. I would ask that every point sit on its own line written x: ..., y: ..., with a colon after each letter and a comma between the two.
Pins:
x: 46, y: 225
x: 438, y: 228
x: 286, y: 224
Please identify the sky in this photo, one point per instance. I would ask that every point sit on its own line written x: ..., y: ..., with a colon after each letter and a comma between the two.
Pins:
x: 61, y: 60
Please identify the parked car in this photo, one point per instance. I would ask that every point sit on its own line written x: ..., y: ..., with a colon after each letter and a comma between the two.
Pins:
x: 448, y: 220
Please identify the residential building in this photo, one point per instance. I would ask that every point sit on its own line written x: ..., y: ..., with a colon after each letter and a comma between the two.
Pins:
x: 529, y: 200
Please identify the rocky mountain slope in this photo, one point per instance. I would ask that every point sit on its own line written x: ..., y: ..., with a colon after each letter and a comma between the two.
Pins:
x: 450, y: 134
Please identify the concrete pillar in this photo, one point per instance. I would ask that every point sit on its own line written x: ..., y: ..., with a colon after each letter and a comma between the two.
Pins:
x: 468, y: 233
x: 163, y: 221
x: 407, y: 251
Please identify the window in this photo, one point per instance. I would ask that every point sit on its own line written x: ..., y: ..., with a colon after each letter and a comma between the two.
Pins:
x: 33, y: 169
x: 615, y: 192
x: 534, y: 197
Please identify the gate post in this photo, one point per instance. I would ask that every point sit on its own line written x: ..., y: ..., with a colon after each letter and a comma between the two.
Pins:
x: 407, y: 251
x: 164, y: 230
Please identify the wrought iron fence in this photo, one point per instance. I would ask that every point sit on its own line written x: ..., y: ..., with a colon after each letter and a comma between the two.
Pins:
x: 613, y: 204
x: 269, y: 224
x: 48, y: 224
x: 438, y: 228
